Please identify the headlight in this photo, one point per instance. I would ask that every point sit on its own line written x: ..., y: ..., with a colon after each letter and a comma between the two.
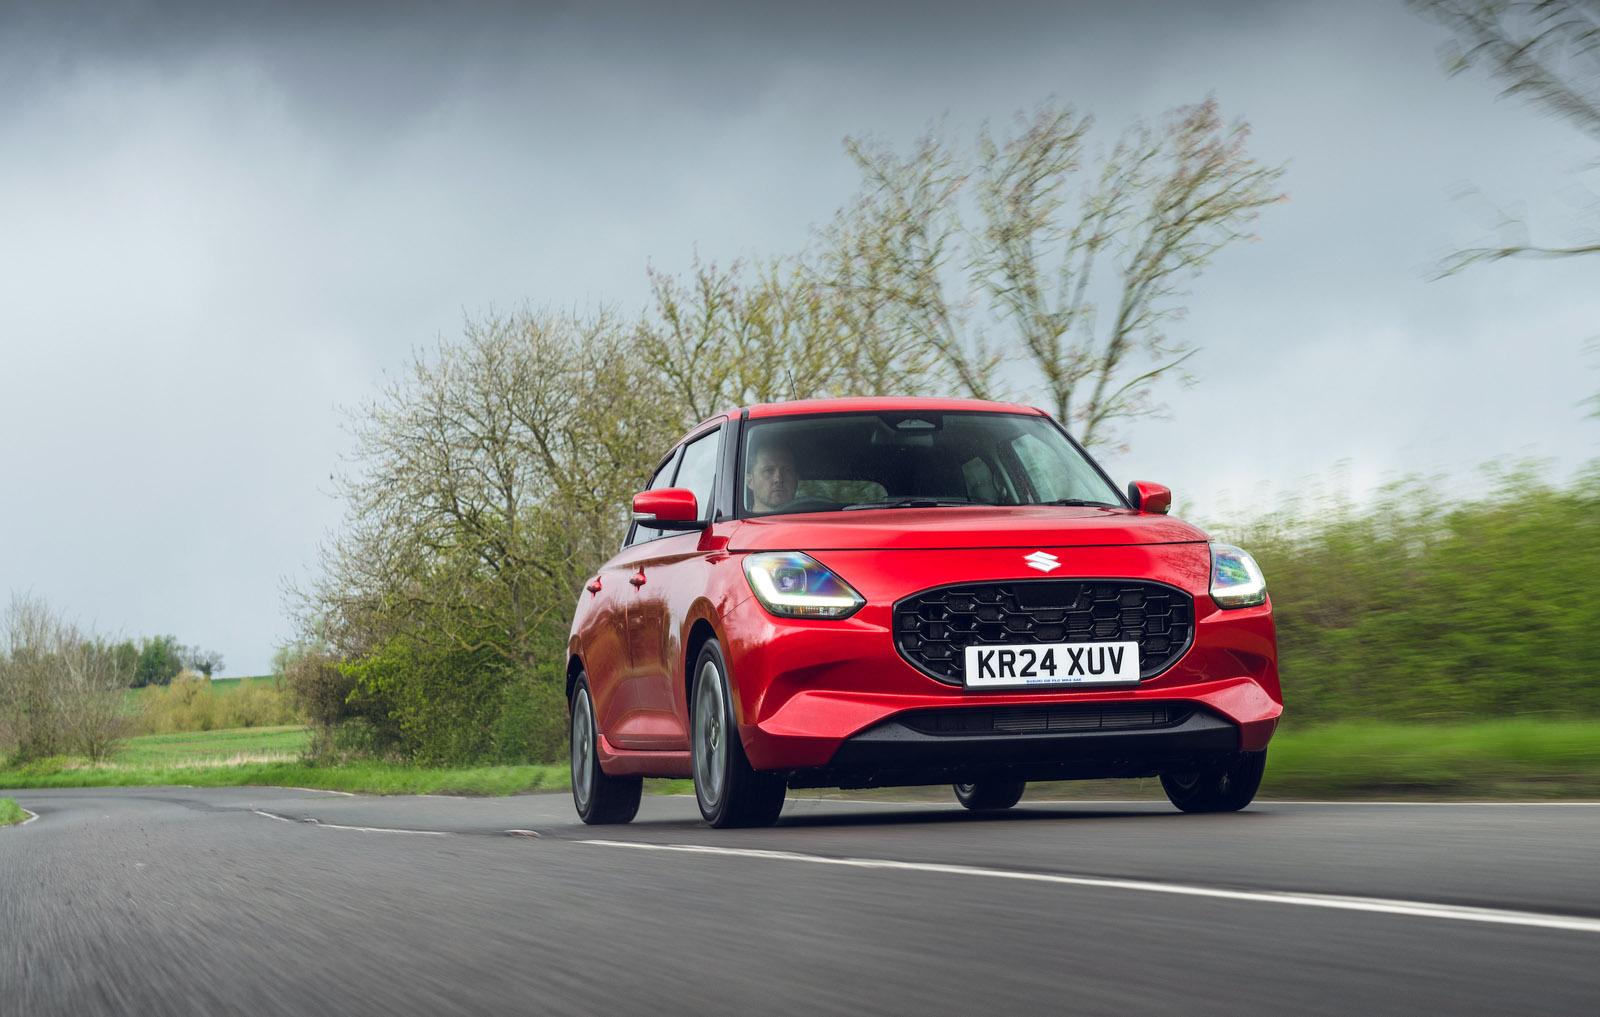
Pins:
x: 794, y: 585
x: 1236, y: 579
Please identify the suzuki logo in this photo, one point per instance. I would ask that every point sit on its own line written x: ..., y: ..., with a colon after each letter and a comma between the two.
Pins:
x: 1042, y: 560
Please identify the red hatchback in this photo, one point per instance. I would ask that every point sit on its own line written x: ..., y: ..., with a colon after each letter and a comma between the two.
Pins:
x: 873, y: 592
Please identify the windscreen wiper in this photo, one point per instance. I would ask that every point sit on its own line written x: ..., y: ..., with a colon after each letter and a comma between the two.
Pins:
x: 906, y: 503
x: 1079, y: 503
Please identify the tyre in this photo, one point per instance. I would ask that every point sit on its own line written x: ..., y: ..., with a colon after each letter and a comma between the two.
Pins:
x: 990, y: 795
x: 1226, y: 787
x: 600, y: 800
x: 730, y: 793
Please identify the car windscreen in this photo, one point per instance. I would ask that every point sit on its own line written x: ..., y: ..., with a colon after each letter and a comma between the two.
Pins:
x: 860, y: 461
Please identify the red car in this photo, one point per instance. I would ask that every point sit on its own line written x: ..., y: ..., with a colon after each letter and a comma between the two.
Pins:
x: 865, y: 593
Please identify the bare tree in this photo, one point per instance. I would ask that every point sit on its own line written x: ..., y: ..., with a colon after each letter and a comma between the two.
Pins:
x: 1547, y: 54
x: 1058, y: 232
x: 60, y: 690
x: 206, y: 662
x: 762, y: 332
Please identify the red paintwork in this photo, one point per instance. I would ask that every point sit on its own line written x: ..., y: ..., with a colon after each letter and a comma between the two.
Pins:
x: 801, y: 687
x: 1155, y: 499
x: 666, y: 505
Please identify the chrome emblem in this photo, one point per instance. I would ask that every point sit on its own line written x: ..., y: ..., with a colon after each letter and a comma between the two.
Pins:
x: 1044, y: 561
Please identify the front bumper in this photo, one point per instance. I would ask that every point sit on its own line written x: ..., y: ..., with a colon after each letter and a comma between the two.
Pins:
x: 902, y: 751
x: 815, y: 695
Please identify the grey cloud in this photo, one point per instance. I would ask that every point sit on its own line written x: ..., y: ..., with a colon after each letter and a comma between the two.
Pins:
x: 221, y: 223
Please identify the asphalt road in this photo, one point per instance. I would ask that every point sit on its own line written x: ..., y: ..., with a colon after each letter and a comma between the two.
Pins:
x: 228, y: 901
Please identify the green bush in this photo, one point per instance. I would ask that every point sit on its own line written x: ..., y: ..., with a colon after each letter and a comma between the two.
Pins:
x: 532, y: 725
x: 447, y: 706
x: 430, y: 705
x: 1416, y: 608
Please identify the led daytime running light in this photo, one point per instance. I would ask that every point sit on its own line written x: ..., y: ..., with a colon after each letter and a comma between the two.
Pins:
x: 1236, y: 579
x: 821, y: 594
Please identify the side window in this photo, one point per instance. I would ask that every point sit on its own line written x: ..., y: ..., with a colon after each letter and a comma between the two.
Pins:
x: 663, y: 478
x: 698, y: 470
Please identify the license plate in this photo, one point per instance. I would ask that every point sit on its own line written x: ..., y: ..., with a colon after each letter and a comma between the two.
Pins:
x: 1005, y: 667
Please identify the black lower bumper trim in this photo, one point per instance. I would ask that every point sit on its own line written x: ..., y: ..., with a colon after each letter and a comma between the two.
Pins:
x: 903, y: 751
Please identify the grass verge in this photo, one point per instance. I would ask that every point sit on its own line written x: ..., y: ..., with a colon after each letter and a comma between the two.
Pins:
x: 1511, y: 760
x: 10, y: 812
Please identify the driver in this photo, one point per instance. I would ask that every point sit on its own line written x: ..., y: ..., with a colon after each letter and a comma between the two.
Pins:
x: 770, y: 475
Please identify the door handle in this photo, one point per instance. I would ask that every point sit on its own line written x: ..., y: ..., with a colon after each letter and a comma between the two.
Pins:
x: 594, y: 585
x: 637, y: 578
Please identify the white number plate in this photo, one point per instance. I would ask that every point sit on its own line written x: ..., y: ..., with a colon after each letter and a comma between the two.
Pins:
x: 1003, y: 667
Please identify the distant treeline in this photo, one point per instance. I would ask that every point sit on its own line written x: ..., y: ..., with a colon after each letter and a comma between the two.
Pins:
x: 1423, y: 607
x: 156, y: 660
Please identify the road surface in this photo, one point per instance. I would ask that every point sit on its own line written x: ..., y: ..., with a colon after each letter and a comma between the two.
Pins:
x: 271, y: 901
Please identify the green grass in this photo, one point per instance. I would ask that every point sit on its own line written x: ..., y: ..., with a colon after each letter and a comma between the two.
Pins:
x: 1490, y: 759
x: 10, y: 812
x: 367, y: 778
x: 1512, y: 760
x: 204, y: 748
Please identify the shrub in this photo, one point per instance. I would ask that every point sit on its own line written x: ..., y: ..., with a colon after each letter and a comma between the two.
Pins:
x: 317, y: 687
x: 256, y: 704
x: 432, y: 705
x: 187, y: 703
x: 532, y: 725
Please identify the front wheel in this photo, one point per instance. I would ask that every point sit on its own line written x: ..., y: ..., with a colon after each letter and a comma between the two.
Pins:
x: 990, y: 795
x: 600, y: 800
x: 729, y: 791
x: 1225, y: 787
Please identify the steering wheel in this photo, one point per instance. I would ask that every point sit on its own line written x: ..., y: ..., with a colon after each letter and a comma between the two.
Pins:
x: 810, y: 503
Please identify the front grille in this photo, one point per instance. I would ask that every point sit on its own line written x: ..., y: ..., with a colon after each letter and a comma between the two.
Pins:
x: 1047, y: 719
x: 932, y: 629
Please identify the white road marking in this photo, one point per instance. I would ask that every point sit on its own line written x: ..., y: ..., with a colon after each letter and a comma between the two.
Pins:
x: 524, y: 833
x: 358, y: 829
x: 321, y: 791
x: 32, y: 815
x: 1411, y: 909
x: 1162, y: 801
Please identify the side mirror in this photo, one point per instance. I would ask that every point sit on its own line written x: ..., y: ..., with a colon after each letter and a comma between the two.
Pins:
x: 668, y: 508
x: 1148, y: 497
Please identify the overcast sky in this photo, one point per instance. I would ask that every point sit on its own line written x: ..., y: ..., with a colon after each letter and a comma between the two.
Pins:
x: 221, y: 223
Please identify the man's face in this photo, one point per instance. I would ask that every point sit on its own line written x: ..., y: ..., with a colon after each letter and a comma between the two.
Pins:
x: 772, y: 478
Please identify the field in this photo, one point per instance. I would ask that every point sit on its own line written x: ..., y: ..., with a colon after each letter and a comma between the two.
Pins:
x: 1511, y: 760
x: 213, y: 748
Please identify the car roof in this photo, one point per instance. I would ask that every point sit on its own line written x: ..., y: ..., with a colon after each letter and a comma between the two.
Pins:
x: 882, y: 404
x: 860, y: 404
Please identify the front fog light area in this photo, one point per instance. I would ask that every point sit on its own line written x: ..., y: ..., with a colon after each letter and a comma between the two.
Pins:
x: 1236, y: 579
x: 794, y: 585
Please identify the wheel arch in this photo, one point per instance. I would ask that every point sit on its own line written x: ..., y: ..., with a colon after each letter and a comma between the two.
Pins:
x: 701, y: 632
x: 574, y: 669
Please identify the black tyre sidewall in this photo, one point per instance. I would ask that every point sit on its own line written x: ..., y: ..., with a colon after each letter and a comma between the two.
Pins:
x: 747, y: 795
x: 1241, y: 775
x: 990, y: 795
x: 612, y: 800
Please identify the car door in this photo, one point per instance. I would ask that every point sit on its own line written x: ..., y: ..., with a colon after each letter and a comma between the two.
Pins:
x: 669, y: 577
x: 622, y: 716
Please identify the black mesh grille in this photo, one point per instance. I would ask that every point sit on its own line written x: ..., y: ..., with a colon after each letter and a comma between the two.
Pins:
x: 933, y: 629
x: 1047, y: 719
